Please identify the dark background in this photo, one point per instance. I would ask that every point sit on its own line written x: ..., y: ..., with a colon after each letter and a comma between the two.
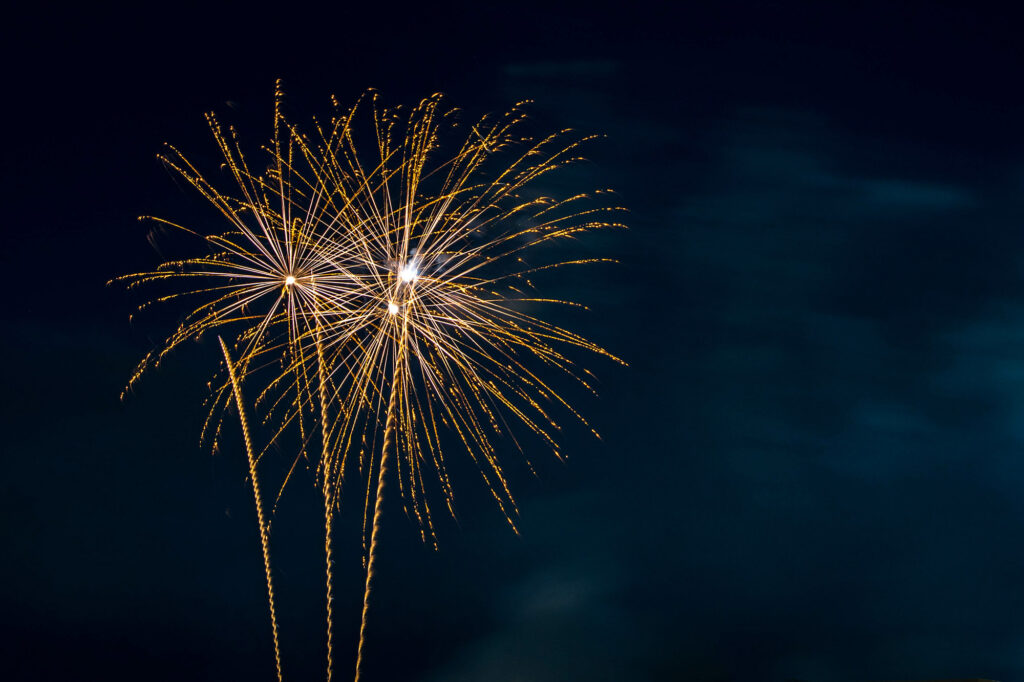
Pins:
x: 812, y: 468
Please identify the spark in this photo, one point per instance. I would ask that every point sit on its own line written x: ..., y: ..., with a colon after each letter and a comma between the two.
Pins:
x: 408, y: 273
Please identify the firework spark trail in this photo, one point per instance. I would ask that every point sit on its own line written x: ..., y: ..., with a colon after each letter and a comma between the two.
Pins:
x: 389, y: 434
x: 264, y: 536
x: 328, y: 508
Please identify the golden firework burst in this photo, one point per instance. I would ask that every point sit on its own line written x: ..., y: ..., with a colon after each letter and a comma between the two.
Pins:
x: 385, y: 299
x: 265, y: 282
x: 437, y: 340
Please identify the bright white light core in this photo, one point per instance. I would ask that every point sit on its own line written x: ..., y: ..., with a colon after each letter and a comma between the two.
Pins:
x: 392, y: 309
x: 289, y: 280
x: 408, y: 273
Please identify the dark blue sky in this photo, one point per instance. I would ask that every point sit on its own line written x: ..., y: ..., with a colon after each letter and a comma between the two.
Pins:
x: 812, y: 468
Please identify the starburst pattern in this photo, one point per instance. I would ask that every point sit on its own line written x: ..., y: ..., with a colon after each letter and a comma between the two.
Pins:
x: 438, y: 344
x: 377, y: 278
x: 435, y: 247
x: 265, y: 282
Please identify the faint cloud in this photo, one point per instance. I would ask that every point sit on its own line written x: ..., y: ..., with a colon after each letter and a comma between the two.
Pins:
x: 565, y: 619
x: 915, y: 195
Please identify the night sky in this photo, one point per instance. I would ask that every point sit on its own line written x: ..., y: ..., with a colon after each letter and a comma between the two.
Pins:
x: 812, y: 468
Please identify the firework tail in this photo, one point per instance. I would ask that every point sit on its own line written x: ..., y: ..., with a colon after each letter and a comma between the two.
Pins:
x: 264, y: 535
x: 389, y: 441
x: 328, y: 506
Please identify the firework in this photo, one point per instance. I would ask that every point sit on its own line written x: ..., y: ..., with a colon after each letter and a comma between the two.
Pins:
x: 265, y: 282
x: 384, y: 300
x: 435, y: 347
x: 254, y: 476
